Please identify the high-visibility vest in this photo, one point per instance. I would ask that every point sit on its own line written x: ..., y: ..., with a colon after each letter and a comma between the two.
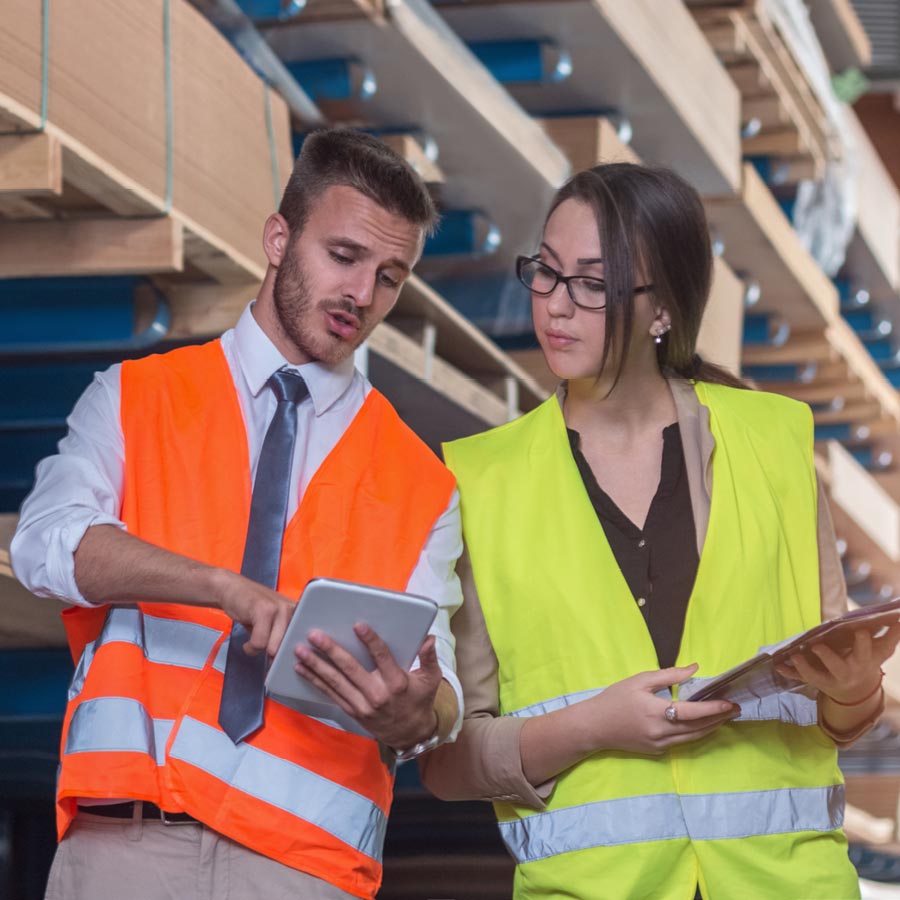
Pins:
x: 142, y: 716
x: 752, y: 811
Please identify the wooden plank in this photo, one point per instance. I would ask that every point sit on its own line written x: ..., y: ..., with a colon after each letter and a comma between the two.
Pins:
x: 761, y: 243
x: 587, y: 140
x: 341, y: 10
x: 107, y: 107
x: 25, y: 620
x: 411, y: 150
x: 848, y: 392
x: 861, y: 826
x: 410, y: 356
x: 96, y: 247
x: 841, y: 34
x: 203, y: 310
x: 655, y: 66
x: 721, y: 330
x: 462, y: 344
x: 792, y: 78
x: 800, y: 348
x: 30, y: 164
x: 769, y: 111
x: 865, y: 501
x: 878, y: 216
x: 775, y: 142
x: 848, y: 345
x: 862, y: 411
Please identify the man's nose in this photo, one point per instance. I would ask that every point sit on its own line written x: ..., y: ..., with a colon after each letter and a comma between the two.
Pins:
x: 361, y: 287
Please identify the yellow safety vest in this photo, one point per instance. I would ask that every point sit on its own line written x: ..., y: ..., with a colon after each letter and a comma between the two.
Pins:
x: 753, y: 811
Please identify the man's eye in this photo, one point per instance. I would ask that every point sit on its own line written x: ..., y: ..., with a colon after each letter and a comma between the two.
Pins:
x: 387, y: 281
x: 340, y: 258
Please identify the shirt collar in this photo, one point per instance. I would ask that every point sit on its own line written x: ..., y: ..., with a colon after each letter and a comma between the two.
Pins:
x: 259, y: 359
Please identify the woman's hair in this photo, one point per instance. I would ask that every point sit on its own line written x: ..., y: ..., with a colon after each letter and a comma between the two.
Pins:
x: 651, y: 220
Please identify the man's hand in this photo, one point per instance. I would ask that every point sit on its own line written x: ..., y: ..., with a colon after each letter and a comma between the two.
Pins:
x: 396, y: 707
x: 263, y: 612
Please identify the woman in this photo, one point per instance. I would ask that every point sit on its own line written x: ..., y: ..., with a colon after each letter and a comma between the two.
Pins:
x: 649, y: 523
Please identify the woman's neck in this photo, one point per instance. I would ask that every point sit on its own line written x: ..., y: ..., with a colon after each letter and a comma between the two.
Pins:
x: 640, y: 401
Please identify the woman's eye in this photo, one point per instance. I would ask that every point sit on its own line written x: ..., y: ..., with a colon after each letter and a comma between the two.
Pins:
x: 594, y: 286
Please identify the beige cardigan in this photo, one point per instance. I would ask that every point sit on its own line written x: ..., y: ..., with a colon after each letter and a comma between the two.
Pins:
x: 484, y: 763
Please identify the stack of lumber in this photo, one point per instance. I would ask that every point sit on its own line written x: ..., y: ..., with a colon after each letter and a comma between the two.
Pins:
x: 161, y: 152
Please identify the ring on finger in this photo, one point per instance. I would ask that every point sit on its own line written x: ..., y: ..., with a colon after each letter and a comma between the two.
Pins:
x: 671, y: 713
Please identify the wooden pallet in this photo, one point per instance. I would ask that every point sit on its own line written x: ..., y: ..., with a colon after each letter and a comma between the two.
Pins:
x: 774, y: 91
x: 114, y: 148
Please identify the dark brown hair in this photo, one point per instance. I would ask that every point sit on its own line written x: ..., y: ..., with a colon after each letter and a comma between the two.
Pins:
x: 333, y: 157
x: 651, y: 220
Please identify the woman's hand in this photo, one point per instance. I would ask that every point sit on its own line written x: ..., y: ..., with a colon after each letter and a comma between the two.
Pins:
x: 850, y: 682
x: 629, y: 716
x: 625, y: 716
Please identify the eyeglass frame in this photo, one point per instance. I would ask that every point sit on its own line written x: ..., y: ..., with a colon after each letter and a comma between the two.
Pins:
x: 566, y: 280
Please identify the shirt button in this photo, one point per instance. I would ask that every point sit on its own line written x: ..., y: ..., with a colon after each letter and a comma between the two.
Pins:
x: 642, y: 543
x: 642, y: 601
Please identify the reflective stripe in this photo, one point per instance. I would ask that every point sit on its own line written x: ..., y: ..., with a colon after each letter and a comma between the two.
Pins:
x: 662, y: 817
x: 713, y: 817
x: 171, y: 642
x: 784, y: 706
x: 791, y: 707
x: 348, y: 816
x: 538, y: 709
x: 117, y: 724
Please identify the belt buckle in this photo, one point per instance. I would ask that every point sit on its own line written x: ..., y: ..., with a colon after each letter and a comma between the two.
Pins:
x: 171, y: 823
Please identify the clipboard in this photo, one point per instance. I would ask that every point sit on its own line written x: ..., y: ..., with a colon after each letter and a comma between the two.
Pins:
x: 758, y: 676
x: 334, y: 607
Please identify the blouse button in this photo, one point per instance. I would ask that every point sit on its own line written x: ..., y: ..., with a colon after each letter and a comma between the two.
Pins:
x: 642, y: 543
x: 642, y: 601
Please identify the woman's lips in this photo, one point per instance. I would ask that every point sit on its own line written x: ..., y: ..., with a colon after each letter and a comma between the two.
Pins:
x: 559, y: 339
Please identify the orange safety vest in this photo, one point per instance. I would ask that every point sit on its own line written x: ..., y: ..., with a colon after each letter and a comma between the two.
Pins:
x: 142, y: 716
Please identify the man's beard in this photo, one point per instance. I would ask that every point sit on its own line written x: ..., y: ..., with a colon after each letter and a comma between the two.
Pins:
x: 294, y: 307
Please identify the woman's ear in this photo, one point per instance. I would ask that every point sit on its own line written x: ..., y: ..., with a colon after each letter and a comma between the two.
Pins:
x: 661, y: 324
x: 276, y: 237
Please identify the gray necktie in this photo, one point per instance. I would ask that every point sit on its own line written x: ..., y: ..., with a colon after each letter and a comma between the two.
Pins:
x: 241, y: 707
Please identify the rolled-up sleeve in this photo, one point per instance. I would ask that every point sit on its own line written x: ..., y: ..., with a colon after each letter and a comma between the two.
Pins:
x: 78, y: 487
x: 435, y: 577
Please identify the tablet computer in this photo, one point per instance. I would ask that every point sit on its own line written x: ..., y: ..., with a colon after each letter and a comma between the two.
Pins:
x: 334, y: 607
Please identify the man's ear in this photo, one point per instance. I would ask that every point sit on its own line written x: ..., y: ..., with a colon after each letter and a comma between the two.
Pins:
x: 276, y: 237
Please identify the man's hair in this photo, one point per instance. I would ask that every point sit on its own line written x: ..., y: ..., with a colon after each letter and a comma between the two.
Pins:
x: 334, y: 157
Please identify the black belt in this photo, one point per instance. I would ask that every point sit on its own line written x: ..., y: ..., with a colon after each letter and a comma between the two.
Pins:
x: 148, y: 811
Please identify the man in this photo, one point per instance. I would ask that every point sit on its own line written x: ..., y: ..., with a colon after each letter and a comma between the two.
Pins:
x: 144, y: 519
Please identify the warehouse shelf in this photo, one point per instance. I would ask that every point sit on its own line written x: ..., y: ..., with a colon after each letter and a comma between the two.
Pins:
x: 760, y: 243
x: 864, y: 515
x: 645, y: 60
x: 493, y: 156
x: 844, y: 40
x: 782, y: 116
x: 873, y: 256
x: 160, y: 132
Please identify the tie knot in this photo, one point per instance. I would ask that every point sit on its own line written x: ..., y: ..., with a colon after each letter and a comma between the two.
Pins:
x: 288, y: 386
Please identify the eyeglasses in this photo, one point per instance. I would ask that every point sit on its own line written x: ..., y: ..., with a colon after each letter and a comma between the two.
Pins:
x: 585, y: 291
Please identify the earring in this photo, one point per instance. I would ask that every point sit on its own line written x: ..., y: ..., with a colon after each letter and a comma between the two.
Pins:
x: 660, y: 332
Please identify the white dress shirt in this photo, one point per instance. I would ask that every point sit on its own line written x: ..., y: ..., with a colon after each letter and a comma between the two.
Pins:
x: 82, y: 484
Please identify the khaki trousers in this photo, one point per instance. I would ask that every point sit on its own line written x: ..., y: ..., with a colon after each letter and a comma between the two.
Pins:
x: 143, y: 859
